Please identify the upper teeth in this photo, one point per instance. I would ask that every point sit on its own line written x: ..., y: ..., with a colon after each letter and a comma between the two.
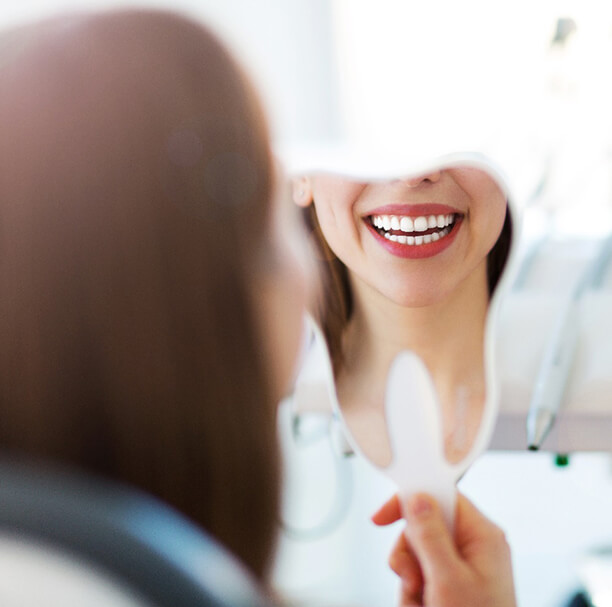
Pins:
x: 412, y: 224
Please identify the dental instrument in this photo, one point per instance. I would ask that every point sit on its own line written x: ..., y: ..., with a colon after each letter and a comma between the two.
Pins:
x: 558, y: 358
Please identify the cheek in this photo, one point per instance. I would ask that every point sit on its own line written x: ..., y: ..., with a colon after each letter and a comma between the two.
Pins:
x: 488, y: 202
x: 329, y: 217
x: 334, y: 200
x: 497, y: 216
x: 488, y: 217
x: 339, y: 229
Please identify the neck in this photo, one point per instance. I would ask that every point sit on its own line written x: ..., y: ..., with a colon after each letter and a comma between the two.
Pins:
x: 448, y: 335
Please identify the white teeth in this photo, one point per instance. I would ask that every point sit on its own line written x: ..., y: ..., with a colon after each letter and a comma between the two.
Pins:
x: 411, y: 224
x: 420, y: 224
x: 407, y: 225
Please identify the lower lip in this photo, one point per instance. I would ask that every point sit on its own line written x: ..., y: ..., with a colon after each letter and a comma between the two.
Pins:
x: 417, y: 251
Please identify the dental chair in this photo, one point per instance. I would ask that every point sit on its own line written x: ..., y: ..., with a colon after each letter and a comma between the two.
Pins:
x: 69, y: 540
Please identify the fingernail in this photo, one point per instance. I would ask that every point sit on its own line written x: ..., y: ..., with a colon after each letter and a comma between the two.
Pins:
x: 420, y: 506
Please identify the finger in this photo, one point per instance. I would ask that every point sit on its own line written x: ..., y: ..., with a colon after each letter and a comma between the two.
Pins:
x: 410, y: 598
x: 404, y: 563
x: 388, y: 513
x: 430, y: 537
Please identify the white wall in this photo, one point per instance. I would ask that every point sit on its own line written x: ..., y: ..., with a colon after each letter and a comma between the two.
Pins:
x: 285, y: 44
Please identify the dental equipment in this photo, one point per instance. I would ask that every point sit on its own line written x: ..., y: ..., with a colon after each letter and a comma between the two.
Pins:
x: 313, y: 430
x: 558, y: 357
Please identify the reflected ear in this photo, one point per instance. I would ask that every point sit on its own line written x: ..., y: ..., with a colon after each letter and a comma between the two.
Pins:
x: 302, y: 191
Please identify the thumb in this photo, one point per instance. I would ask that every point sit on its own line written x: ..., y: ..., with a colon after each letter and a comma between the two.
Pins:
x: 429, y: 537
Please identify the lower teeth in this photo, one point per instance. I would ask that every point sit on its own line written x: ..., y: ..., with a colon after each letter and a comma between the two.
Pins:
x: 417, y: 240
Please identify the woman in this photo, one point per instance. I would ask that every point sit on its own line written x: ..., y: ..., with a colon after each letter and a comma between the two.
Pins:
x: 150, y: 304
x: 136, y: 181
x: 408, y: 264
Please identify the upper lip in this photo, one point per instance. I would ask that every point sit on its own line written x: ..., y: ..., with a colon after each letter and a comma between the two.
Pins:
x: 414, y: 210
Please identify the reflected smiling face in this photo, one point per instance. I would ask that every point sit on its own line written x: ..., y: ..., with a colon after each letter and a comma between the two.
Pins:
x: 413, y: 240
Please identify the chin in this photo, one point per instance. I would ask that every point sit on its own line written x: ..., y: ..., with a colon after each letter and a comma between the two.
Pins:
x: 418, y: 296
x: 418, y: 302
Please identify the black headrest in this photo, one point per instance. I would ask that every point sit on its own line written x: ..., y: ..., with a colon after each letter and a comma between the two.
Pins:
x: 144, y: 544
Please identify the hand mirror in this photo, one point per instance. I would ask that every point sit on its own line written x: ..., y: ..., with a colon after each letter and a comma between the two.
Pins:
x: 411, y: 271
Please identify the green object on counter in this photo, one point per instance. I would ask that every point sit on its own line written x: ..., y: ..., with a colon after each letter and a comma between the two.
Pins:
x: 562, y: 460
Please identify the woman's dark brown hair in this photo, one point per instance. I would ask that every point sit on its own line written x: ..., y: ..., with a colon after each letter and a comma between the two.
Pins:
x: 135, y: 180
x: 334, y: 305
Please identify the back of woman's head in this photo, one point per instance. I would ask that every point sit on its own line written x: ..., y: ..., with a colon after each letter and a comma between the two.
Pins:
x: 135, y: 180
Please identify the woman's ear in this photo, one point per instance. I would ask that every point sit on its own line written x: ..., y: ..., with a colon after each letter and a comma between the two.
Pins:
x: 302, y: 191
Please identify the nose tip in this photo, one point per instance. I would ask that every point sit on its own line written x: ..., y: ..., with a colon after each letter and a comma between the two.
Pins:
x: 414, y: 182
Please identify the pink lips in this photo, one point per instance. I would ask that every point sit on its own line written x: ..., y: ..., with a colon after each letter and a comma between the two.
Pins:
x: 418, y: 210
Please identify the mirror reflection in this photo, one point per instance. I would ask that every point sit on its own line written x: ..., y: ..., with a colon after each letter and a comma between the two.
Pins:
x: 409, y: 263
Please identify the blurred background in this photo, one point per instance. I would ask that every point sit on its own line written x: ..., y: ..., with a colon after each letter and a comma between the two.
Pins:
x: 529, y: 83
x: 525, y: 81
